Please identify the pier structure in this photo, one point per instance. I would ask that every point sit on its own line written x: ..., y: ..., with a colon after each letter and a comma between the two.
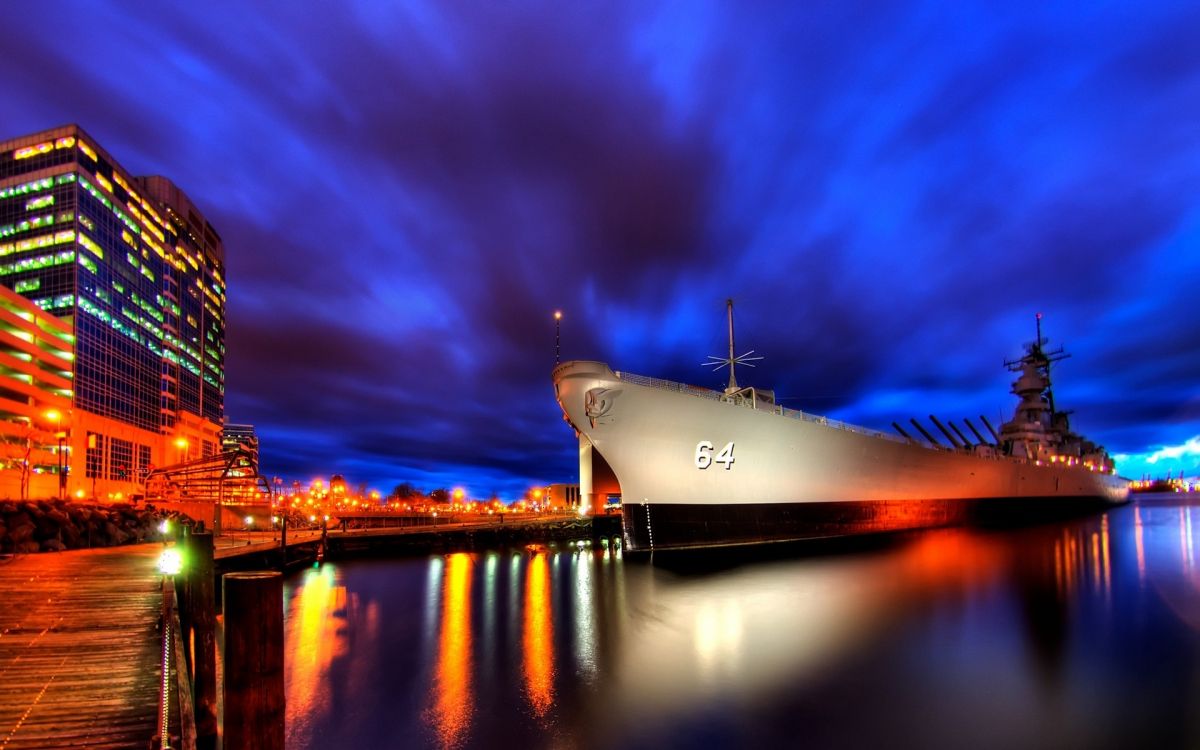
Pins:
x: 597, y: 480
x: 98, y: 648
x: 216, y: 489
x: 80, y: 649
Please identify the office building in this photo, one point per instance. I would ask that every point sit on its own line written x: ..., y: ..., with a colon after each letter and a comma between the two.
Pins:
x: 134, y: 272
x: 241, y: 437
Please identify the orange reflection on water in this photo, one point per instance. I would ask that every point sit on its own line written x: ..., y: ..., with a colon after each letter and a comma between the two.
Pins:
x: 317, y: 619
x: 451, y: 716
x: 538, y: 641
x: 1078, y: 552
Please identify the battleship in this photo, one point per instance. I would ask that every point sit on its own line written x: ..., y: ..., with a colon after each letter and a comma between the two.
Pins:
x: 696, y: 467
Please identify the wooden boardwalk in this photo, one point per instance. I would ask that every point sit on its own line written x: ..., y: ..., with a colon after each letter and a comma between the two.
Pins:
x: 80, y: 649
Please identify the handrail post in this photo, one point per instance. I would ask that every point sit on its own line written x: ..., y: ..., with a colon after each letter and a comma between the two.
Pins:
x: 204, y: 657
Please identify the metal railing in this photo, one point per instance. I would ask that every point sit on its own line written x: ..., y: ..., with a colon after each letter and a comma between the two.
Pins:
x: 783, y: 411
x: 746, y: 403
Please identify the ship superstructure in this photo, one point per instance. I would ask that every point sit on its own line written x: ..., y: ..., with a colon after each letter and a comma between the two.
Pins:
x: 696, y: 467
x: 1037, y: 430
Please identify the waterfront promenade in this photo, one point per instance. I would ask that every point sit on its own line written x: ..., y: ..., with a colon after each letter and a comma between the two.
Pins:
x: 80, y: 650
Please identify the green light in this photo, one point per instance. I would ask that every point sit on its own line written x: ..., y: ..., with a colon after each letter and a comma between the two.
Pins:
x: 170, y: 563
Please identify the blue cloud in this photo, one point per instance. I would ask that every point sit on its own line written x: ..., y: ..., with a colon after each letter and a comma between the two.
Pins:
x: 890, y: 191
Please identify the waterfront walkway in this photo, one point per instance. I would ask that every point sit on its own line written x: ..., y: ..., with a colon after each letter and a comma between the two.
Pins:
x: 80, y: 650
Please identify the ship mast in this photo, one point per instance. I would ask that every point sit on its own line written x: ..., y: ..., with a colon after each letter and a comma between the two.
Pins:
x: 1038, y: 345
x: 732, y: 360
x: 1036, y: 422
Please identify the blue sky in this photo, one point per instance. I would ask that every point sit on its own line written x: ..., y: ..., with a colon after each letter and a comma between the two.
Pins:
x: 888, y: 190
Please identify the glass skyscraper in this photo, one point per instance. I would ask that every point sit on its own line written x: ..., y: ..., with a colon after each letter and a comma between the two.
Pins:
x: 138, y: 272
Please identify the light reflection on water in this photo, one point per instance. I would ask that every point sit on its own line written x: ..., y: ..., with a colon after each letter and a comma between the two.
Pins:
x: 1083, y: 634
x: 538, y: 636
x: 452, y: 698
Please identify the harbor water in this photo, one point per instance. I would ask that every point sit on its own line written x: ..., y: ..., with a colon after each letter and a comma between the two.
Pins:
x: 1083, y: 634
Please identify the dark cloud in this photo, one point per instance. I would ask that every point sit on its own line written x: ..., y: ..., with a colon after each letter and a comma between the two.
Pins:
x: 407, y: 191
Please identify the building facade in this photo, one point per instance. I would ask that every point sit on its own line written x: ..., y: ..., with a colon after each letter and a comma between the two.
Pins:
x: 136, y: 274
x: 563, y: 496
x: 243, y: 437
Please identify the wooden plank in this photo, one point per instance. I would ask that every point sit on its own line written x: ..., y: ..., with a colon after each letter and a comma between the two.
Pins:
x: 80, y: 657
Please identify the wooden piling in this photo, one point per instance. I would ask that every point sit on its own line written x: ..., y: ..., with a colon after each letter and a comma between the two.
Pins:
x: 183, y: 594
x: 203, y: 616
x: 253, y: 666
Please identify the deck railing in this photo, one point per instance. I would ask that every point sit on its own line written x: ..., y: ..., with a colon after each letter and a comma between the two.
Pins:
x: 746, y: 403
x: 783, y: 411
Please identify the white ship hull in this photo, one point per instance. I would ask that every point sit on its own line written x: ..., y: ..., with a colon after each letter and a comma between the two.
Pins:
x: 697, y: 470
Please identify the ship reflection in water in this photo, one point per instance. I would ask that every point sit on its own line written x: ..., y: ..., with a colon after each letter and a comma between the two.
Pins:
x: 1084, y: 634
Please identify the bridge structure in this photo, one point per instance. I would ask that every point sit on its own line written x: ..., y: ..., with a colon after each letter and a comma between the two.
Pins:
x: 223, y: 479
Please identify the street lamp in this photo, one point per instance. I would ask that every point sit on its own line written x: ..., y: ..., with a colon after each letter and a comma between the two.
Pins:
x: 181, y: 443
x: 55, y: 416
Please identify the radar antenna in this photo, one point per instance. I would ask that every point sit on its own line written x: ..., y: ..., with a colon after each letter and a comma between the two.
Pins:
x: 1041, y: 357
x: 732, y: 360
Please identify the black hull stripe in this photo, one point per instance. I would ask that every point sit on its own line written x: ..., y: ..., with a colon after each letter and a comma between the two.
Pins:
x: 680, y: 526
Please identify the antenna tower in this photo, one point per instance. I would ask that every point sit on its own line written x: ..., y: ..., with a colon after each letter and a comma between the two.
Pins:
x: 732, y: 360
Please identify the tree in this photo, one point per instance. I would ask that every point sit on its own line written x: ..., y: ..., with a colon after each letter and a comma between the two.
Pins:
x: 440, y: 495
x: 405, y: 491
x: 16, y: 453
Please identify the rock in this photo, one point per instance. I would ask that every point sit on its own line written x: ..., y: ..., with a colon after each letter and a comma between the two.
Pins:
x: 47, y: 527
x: 72, y: 537
x: 55, y: 525
x: 20, y: 527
